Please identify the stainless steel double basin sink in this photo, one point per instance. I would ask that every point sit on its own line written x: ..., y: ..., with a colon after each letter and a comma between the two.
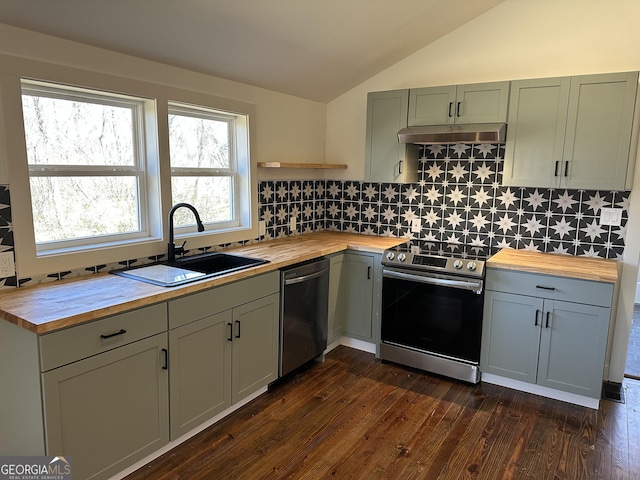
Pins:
x: 190, y: 269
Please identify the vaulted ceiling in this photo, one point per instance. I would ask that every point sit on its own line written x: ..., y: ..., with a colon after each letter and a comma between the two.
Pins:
x: 310, y: 49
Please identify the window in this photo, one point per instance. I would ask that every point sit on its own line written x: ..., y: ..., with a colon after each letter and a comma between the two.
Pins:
x: 86, y: 161
x: 206, y: 151
x: 95, y: 169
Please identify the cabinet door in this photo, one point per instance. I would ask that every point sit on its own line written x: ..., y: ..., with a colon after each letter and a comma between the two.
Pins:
x: 336, y: 299
x: 535, y: 135
x: 572, y: 347
x: 599, y: 126
x: 110, y: 410
x: 432, y: 106
x: 387, y: 160
x: 200, y: 371
x: 511, y: 335
x: 359, y: 281
x: 255, y: 346
x: 482, y: 103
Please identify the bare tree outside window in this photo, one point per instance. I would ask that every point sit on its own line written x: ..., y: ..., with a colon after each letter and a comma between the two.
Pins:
x: 202, y: 164
x: 83, y: 165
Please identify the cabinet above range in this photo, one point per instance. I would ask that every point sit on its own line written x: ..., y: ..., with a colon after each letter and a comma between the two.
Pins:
x: 388, y: 113
x: 459, y: 104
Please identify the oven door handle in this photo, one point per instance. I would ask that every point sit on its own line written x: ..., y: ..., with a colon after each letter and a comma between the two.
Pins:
x: 475, y: 287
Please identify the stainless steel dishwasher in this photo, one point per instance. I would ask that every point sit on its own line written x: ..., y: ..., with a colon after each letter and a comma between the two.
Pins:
x: 304, y: 305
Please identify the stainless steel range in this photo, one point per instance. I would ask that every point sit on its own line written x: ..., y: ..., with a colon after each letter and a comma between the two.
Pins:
x: 432, y: 302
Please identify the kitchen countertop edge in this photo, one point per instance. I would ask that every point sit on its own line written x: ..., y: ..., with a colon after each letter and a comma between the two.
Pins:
x: 41, y: 308
x: 570, y: 266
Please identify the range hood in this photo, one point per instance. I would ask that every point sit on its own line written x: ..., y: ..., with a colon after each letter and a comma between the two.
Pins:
x: 469, y: 133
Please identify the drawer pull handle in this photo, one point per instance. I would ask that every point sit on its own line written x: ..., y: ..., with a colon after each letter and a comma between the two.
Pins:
x: 230, y: 337
x: 165, y: 353
x: 122, y: 331
x: 545, y: 288
x: 450, y: 107
x: 238, y: 322
x: 368, y: 273
x: 458, y: 109
x: 547, y: 324
x: 536, y: 319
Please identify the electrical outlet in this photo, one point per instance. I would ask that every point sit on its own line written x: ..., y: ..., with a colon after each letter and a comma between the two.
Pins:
x: 293, y: 224
x: 611, y: 216
x: 415, y: 225
x: 7, y: 266
x: 262, y: 228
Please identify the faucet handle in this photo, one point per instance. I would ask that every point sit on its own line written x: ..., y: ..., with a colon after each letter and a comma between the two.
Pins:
x: 180, y: 249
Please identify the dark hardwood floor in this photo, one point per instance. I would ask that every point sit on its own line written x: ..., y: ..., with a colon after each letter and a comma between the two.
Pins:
x: 356, y: 417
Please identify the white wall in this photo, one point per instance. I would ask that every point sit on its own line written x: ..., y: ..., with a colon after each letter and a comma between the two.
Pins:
x: 517, y: 39
x: 287, y: 128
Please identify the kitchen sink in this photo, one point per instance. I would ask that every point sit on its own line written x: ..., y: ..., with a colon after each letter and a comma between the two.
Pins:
x: 217, y: 263
x: 190, y: 269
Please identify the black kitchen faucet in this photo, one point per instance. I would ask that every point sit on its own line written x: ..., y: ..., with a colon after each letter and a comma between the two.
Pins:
x: 172, y: 249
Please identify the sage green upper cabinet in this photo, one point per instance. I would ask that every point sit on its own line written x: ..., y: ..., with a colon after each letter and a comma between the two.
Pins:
x: 572, y: 132
x: 535, y: 134
x: 387, y: 160
x: 473, y: 103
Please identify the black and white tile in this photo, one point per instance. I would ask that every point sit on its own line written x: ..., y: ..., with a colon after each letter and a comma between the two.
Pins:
x: 458, y: 199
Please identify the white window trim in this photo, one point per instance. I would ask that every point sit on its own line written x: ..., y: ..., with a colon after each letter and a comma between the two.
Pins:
x: 137, y: 170
x: 234, y: 161
x: 28, y: 263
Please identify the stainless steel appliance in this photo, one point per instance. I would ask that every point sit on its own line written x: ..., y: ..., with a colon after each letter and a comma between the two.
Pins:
x: 432, y: 302
x: 304, y: 304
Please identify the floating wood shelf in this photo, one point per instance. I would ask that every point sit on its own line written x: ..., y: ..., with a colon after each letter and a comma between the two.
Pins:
x: 300, y: 165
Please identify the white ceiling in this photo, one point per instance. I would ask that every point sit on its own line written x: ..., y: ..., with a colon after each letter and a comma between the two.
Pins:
x: 315, y: 49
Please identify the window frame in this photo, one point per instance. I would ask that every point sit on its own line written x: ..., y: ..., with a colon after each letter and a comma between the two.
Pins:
x: 198, y: 111
x: 138, y: 170
x: 116, y: 255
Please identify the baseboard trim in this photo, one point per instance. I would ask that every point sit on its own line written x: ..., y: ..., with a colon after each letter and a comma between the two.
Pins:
x: 542, y: 391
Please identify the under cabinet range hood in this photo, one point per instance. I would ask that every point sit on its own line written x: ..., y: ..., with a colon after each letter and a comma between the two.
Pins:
x: 467, y: 133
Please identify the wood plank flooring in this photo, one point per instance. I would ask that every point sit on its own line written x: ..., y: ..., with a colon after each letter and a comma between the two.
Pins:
x: 355, y: 417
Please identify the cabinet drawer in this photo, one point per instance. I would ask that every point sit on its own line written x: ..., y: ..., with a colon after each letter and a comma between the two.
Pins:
x: 218, y: 299
x: 75, y: 343
x: 549, y: 286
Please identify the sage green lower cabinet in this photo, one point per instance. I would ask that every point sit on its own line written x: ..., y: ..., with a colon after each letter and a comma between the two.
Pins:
x: 537, y: 336
x: 200, y: 373
x: 255, y: 346
x: 362, y: 296
x: 223, y: 347
x: 105, y: 391
x: 336, y: 298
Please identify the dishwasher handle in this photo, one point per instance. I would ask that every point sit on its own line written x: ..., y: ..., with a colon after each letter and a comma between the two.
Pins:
x: 304, y: 278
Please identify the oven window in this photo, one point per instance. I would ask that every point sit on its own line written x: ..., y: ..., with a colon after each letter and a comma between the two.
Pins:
x: 433, y: 318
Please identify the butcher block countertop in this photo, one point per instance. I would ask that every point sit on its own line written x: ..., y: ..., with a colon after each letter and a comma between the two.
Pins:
x: 583, y: 268
x: 52, y: 306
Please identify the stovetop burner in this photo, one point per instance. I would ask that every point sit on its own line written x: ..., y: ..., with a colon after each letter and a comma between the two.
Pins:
x: 455, y: 258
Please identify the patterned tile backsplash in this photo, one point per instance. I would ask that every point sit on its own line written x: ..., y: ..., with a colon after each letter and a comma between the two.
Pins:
x: 458, y: 199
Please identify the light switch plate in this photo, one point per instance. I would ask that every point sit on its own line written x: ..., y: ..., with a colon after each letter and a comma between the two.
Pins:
x: 611, y: 216
x: 262, y: 228
x: 293, y: 224
x: 415, y: 225
x: 7, y: 265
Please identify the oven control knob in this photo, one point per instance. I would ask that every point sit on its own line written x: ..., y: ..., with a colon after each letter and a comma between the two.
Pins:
x: 471, y: 266
x: 390, y: 255
x: 402, y: 257
x: 457, y: 264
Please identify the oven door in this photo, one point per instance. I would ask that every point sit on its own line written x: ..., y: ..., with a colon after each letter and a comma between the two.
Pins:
x: 435, y: 313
